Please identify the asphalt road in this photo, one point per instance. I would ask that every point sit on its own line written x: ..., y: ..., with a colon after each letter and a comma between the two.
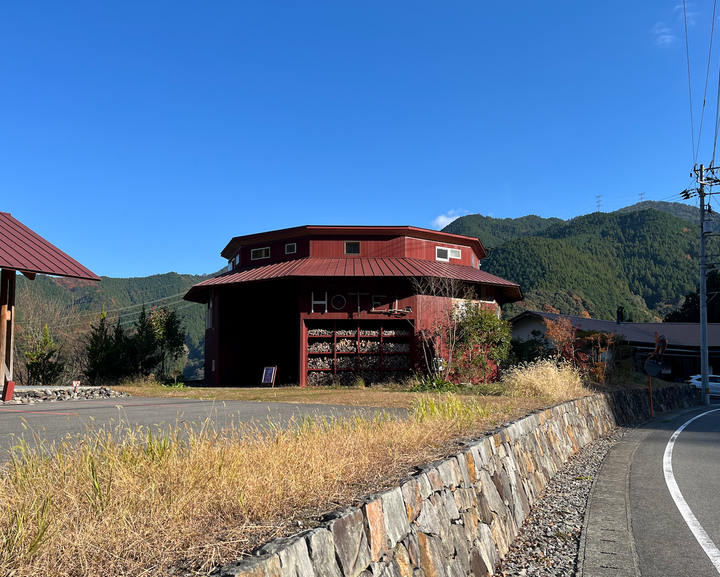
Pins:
x: 48, y: 422
x: 655, y: 507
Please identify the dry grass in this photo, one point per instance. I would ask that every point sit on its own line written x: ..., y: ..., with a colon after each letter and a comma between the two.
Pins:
x: 125, y: 502
x: 554, y: 380
x: 385, y: 396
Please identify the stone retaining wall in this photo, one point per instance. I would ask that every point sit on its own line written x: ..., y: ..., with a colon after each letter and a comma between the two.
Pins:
x: 54, y: 394
x: 456, y: 517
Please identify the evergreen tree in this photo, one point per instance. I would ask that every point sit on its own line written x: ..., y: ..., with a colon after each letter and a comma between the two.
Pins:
x: 43, y: 361
x: 99, y: 343
x: 146, y: 349
x: 169, y: 334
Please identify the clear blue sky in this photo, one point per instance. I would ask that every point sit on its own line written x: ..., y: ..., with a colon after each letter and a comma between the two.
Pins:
x: 140, y: 137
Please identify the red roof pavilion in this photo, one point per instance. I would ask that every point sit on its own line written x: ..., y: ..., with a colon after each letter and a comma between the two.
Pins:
x: 23, y: 250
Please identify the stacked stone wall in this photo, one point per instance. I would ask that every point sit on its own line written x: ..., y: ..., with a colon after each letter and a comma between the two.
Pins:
x: 456, y: 517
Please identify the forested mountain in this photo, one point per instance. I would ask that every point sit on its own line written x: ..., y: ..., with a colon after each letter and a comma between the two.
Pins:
x: 493, y: 232
x: 684, y: 211
x: 645, y: 260
x: 69, y: 305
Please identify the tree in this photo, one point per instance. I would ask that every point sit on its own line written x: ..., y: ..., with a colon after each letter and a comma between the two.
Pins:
x: 44, y: 366
x: 483, y: 344
x: 99, y: 344
x: 169, y: 334
x: 146, y: 348
x: 690, y: 310
x: 561, y: 333
x: 109, y: 352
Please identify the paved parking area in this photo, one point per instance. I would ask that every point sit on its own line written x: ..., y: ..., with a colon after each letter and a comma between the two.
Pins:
x: 52, y: 421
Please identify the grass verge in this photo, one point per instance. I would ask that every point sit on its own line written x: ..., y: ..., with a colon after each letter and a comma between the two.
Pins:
x: 127, y: 501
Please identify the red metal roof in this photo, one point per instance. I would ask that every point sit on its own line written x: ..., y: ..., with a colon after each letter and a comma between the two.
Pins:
x: 24, y: 250
x: 355, y: 267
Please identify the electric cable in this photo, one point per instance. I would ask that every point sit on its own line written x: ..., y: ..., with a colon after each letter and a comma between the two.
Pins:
x: 707, y: 80
x: 687, y: 52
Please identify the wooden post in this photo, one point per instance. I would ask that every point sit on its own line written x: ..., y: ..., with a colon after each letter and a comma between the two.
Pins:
x: 7, y: 319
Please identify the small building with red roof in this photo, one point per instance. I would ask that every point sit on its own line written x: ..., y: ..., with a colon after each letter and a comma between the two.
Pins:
x: 334, y: 303
x: 23, y: 250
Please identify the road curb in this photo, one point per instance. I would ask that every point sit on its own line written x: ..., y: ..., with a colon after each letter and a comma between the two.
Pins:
x: 607, y: 545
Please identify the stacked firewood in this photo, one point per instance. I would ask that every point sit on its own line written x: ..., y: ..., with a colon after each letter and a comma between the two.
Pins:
x: 317, y: 379
x: 369, y: 347
x: 397, y: 362
x: 395, y: 333
x: 347, y: 379
x: 370, y: 362
x: 369, y: 333
x: 346, y: 362
x: 347, y: 346
x: 320, y: 347
x: 391, y: 347
x: 320, y: 362
x: 320, y: 332
x: 346, y: 332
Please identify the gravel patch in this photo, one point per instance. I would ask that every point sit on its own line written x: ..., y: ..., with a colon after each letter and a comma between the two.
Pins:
x: 549, y: 539
x: 55, y: 394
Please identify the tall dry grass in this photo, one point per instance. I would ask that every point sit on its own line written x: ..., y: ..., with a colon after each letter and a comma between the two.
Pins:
x: 551, y: 379
x: 130, y: 502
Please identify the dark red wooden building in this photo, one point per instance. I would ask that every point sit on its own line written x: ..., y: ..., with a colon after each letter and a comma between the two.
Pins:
x: 22, y: 250
x: 333, y: 302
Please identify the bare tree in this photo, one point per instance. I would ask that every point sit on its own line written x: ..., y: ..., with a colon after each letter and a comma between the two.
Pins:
x: 438, y: 321
x: 66, y: 325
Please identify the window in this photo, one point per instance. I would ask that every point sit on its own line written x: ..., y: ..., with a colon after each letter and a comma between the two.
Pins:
x: 442, y: 254
x: 291, y: 248
x: 455, y: 253
x: 258, y: 253
x: 352, y: 247
x: 473, y: 260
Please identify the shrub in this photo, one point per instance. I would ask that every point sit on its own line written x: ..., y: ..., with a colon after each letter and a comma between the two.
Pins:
x: 555, y: 380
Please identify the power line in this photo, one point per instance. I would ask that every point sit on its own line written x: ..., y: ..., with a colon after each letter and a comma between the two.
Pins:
x: 687, y: 51
x: 110, y: 320
x: 707, y: 80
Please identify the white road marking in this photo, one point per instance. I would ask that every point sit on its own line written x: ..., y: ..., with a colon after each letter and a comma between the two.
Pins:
x: 702, y: 537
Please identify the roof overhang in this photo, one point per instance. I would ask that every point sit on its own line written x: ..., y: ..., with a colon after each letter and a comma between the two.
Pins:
x: 24, y: 250
x: 356, y: 268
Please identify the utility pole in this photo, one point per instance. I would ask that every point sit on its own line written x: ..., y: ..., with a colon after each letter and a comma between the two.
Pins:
x: 704, y: 176
x: 703, y: 292
x: 599, y: 203
x: 642, y: 197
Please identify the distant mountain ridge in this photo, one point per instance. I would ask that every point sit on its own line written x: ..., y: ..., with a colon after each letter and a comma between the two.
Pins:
x: 642, y: 257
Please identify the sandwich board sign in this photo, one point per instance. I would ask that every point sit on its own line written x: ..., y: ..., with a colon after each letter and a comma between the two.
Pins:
x: 268, y: 377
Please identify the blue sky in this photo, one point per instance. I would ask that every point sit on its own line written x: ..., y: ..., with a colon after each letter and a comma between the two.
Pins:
x: 141, y: 137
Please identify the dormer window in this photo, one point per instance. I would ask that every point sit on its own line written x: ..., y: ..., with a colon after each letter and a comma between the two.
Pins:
x: 291, y: 248
x: 352, y: 247
x: 260, y: 253
x: 233, y: 262
x: 442, y: 253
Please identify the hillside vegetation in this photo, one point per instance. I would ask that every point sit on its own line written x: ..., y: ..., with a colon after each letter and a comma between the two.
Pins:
x: 69, y: 305
x: 644, y: 259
